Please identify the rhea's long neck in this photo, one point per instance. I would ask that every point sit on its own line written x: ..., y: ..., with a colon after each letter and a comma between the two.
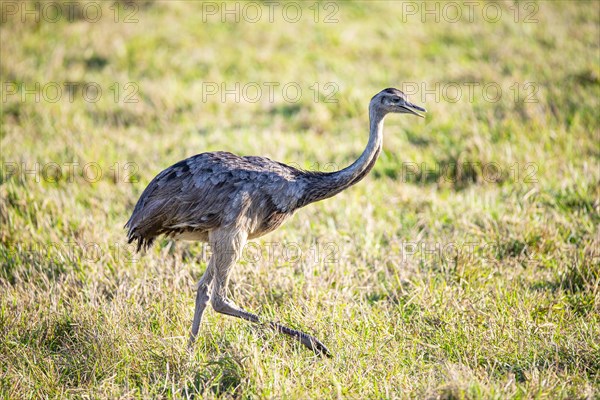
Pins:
x: 323, y: 186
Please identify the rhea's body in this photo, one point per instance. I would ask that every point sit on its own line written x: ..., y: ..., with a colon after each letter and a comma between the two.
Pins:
x: 218, y: 189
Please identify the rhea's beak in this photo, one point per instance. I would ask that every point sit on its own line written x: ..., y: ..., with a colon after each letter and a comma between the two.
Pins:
x: 411, y: 109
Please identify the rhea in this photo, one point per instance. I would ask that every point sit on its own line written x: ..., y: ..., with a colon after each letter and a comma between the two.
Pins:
x: 225, y: 200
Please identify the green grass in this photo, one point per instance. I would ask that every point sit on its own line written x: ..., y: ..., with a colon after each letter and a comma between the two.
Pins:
x: 432, y: 278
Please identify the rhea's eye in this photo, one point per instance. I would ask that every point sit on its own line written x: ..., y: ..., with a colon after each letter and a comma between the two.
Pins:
x: 395, y: 100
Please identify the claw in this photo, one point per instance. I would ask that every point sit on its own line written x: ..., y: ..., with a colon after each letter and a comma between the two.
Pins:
x: 307, y: 340
x: 318, y: 347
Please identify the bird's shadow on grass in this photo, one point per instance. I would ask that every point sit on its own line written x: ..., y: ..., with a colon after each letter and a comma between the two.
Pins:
x: 575, y: 278
x: 222, y: 376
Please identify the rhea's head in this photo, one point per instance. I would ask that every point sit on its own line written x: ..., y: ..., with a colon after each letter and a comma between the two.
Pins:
x: 394, y: 101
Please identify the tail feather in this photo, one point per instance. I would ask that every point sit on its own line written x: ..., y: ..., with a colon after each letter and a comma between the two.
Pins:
x: 133, y: 234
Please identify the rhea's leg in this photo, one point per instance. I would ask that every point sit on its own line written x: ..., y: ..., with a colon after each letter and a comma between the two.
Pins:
x: 227, y: 249
x: 224, y: 306
x: 202, y: 298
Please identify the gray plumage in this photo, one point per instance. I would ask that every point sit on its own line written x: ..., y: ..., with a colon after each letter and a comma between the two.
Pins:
x: 225, y: 199
x: 212, y: 190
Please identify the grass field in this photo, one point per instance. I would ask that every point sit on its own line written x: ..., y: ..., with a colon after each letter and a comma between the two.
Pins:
x: 466, y: 265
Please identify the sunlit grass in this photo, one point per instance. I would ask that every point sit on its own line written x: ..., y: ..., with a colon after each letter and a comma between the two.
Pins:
x: 465, y: 265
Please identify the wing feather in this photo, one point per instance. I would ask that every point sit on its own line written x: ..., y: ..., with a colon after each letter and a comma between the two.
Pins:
x: 200, y: 192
